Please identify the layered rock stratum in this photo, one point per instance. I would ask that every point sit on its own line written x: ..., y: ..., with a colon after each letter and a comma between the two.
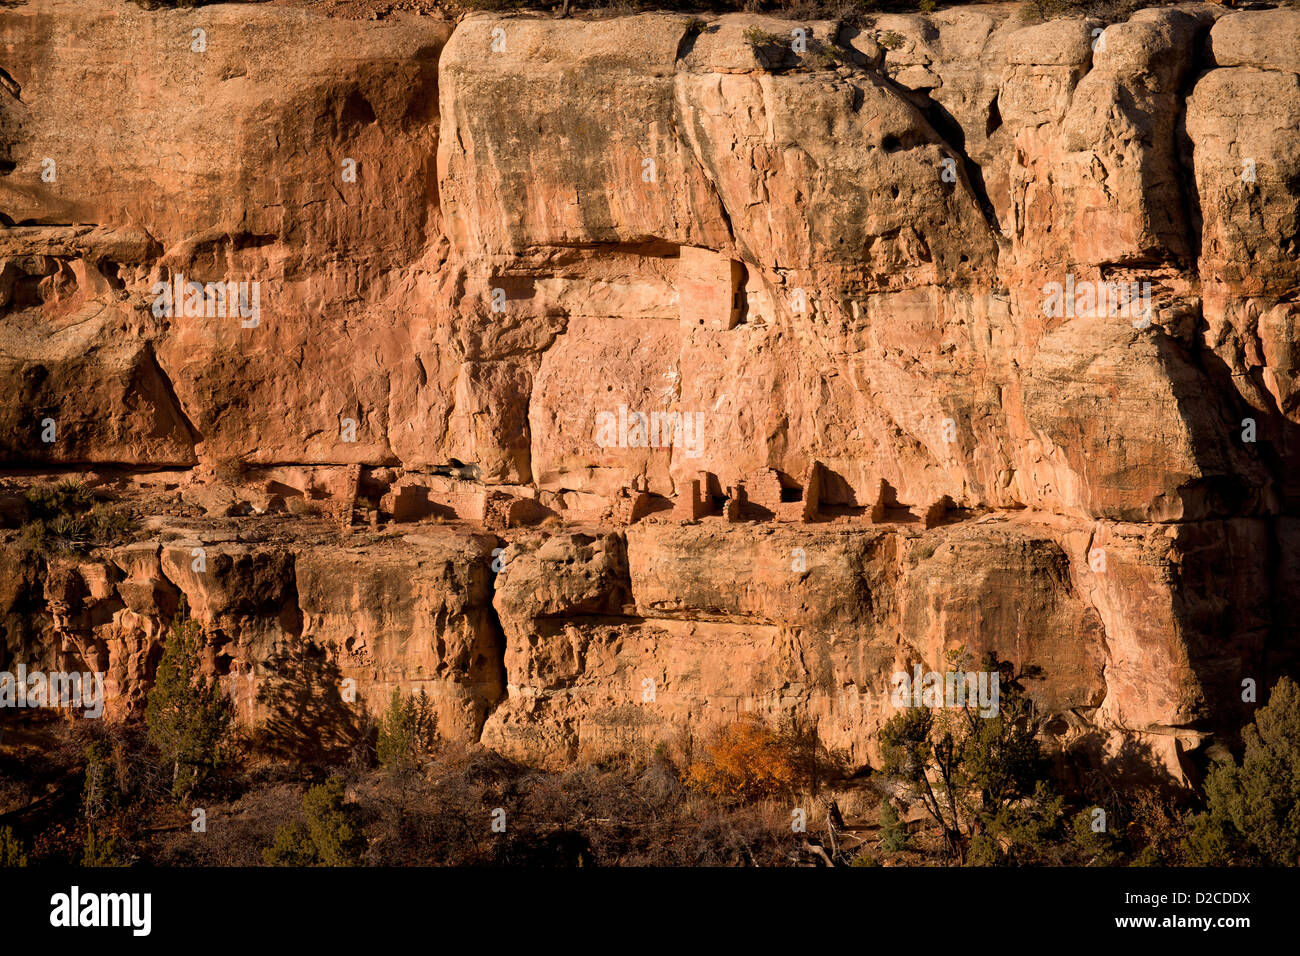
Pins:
x: 855, y: 262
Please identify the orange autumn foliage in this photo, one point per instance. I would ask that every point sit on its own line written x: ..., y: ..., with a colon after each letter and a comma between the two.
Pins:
x: 744, y: 761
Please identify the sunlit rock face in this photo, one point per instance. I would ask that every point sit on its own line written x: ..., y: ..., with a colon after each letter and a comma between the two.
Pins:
x: 1019, y: 298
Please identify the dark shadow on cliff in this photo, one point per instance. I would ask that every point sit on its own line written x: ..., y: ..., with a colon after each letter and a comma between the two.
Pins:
x: 1085, y: 768
x: 1234, y: 597
x: 954, y: 136
x: 309, y: 721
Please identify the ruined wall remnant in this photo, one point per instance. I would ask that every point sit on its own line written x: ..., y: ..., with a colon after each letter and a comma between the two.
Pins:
x: 883, y: 284
x: 708, y: 289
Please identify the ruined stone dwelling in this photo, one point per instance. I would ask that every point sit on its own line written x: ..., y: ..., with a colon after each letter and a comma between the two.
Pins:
x: 840, y: 262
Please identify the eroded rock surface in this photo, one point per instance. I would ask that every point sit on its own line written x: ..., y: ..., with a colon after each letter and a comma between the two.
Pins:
x: 477, y: 248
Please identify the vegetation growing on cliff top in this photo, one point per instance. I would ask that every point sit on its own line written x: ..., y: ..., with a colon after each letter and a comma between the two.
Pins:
x: 845, y: 10
x: 65, y: 518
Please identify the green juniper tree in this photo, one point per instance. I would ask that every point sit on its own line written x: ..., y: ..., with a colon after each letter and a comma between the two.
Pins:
x: 407, y: 731
x: 102, y: 802
x: 979, y: 777
x: 329, y: 834
x: 188, y: 715
x: 893, y: 835
x: 1253, y: 813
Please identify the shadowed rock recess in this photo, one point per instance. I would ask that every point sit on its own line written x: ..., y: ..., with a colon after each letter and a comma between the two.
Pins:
x: 611, y: 378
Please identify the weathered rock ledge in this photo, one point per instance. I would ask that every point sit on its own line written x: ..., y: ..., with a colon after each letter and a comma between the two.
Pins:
x: 480, y: 252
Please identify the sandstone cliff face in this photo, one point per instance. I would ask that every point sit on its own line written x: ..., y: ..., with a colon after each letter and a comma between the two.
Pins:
x: 837, y: 262
x: 219, y: 165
